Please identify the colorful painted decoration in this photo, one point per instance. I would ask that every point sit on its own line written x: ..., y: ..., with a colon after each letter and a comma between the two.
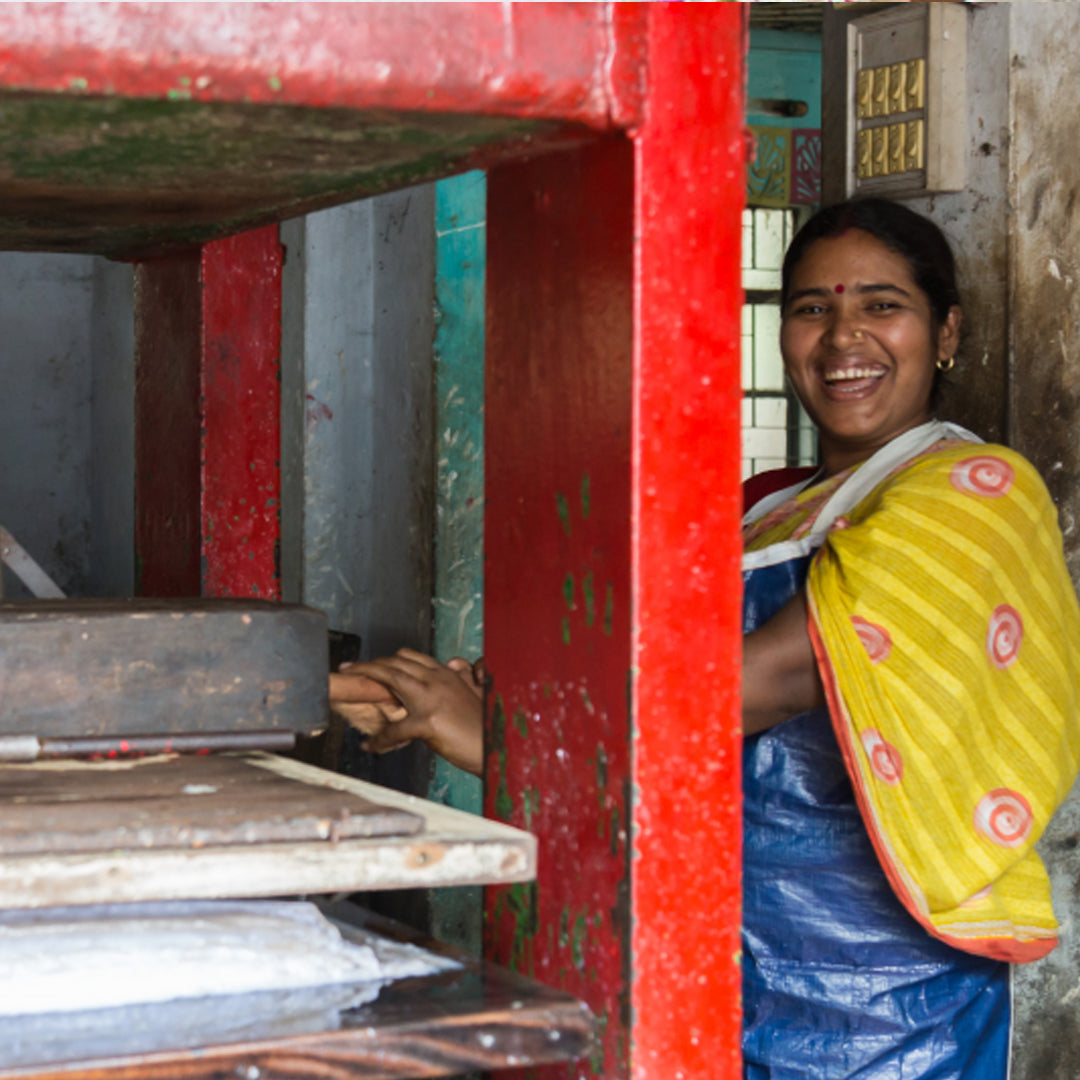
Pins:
x: 786, y: 168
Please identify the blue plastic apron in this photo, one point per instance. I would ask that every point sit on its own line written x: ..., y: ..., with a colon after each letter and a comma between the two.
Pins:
x: 839, y: 982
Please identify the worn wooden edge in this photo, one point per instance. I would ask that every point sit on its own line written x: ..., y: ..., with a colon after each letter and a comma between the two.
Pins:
x: 452, y: 848
x: 480, y: 1019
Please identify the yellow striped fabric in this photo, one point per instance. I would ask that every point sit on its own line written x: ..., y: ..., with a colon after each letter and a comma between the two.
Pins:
x: 947, y: 634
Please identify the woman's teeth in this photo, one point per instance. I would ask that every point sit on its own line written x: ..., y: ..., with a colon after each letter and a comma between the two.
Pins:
x: 851, y: 374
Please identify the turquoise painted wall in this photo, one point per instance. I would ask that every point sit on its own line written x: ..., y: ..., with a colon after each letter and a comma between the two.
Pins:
x: 460, y: 257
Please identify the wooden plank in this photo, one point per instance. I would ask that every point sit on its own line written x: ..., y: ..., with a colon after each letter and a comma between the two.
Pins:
x: 480, y: 1018
x: 452, y: 848
x: 117, y: 667
x: 177, y: 802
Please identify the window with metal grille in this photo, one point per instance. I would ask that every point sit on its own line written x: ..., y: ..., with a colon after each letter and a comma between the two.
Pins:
x: 775, y: 429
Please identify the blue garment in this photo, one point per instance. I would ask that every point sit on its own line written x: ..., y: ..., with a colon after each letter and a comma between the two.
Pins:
x: 839, y: 981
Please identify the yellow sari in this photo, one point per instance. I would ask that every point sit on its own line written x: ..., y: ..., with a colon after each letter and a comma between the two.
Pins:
x: 947, y: 635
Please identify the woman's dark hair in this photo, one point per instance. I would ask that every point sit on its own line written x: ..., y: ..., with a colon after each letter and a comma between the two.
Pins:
x: 917, y: 239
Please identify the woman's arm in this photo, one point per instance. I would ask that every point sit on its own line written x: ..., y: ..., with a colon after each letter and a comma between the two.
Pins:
x: 779, y: 673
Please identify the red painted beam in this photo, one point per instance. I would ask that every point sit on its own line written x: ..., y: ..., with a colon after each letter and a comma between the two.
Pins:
x: 686, y: 891
x: 168, y: 348
x: 612, y: 613
x: 207, y: 420
x: 570, y: 61
x: 241, y: 391
x: 557, y: 569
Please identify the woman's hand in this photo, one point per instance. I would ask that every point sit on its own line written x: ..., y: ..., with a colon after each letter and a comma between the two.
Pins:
x: 412, y: 696
x: 779, y: 672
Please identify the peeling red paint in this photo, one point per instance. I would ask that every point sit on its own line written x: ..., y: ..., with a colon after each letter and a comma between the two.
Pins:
x: 516, y: 59
x: 207, y: 490
x: 558, y: 417
x: 620, y: 363
x: 241, y: 393
x: 687, y: 584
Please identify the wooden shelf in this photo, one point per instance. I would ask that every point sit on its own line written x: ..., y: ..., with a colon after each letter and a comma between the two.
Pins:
x: 480, y: 1018
x: 449, y: 848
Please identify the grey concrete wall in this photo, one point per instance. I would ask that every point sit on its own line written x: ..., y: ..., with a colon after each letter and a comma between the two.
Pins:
x: 358, y: 472
x: 111, y: 569
x: 1044, y: 414
x: 45, y: 424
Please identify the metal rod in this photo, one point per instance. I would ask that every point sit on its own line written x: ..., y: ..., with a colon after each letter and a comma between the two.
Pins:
x: 200, y: 742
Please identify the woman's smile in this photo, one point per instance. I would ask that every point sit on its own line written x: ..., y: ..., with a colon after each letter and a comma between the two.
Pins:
x: 860, y: 345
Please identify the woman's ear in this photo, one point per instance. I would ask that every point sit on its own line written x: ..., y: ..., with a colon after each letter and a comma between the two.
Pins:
x: 949, y: 334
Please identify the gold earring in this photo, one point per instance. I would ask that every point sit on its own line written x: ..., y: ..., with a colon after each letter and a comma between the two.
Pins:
x: 946, y: 364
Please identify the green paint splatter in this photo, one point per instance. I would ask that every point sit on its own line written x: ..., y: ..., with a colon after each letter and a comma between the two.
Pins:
x: 568, y: 591
x: 274, y: 83
x: 590, y: 599
x: 601, y: 767
x: 613, y: 839
x: 564, y: 927
x: 609, y: 608
x: 498, y: 725
x: 577, y: 941
x: 564, y: 511
x: 586, y: 496
x: 177, y: 94
x: 521, y: 723
x: 530, y: 805
x: 597, y: 1055
x: 78, y: 83
x: 504, y: 805
x: 565, y: 631
x: 523, y: 903
x: 586, y: 700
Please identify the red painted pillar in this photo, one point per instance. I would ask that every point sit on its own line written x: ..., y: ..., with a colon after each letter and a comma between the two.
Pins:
x: 557, y: 614
x: 687, y: 547
x: 207, y: 420
x: 612, y: 586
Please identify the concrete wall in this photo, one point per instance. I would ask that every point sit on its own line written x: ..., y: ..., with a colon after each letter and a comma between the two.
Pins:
x: 65, y: 418
x: 1016, y: 231
x: 357, y: 417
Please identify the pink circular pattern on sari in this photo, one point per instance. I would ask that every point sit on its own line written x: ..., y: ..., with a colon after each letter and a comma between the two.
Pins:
x: 985, y: 475
x: 976, y: 898
x: 875, y: 639
x: 1004, y: 816
x: 885, y: 760
x: 1004, y: 635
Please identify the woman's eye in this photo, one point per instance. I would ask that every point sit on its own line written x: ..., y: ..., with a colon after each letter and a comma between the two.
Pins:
x: 883, y: 305
x: 809, y: 309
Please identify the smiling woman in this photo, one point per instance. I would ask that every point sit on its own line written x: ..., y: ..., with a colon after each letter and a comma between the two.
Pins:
x: 910, y: 687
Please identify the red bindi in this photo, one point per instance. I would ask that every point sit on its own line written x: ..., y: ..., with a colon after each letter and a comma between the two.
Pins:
x: 838, y: 288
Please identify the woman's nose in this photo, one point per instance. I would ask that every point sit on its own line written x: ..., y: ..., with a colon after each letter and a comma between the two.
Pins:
x: 844, y: 330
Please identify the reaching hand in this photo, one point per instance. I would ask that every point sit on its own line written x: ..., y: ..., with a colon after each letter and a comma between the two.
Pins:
x: 412, y: 696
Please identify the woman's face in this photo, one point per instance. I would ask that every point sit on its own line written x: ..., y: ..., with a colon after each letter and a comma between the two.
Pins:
x: 860, y: 346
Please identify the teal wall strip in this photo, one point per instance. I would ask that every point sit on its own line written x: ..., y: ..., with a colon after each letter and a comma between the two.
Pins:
x: 460, y: 258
